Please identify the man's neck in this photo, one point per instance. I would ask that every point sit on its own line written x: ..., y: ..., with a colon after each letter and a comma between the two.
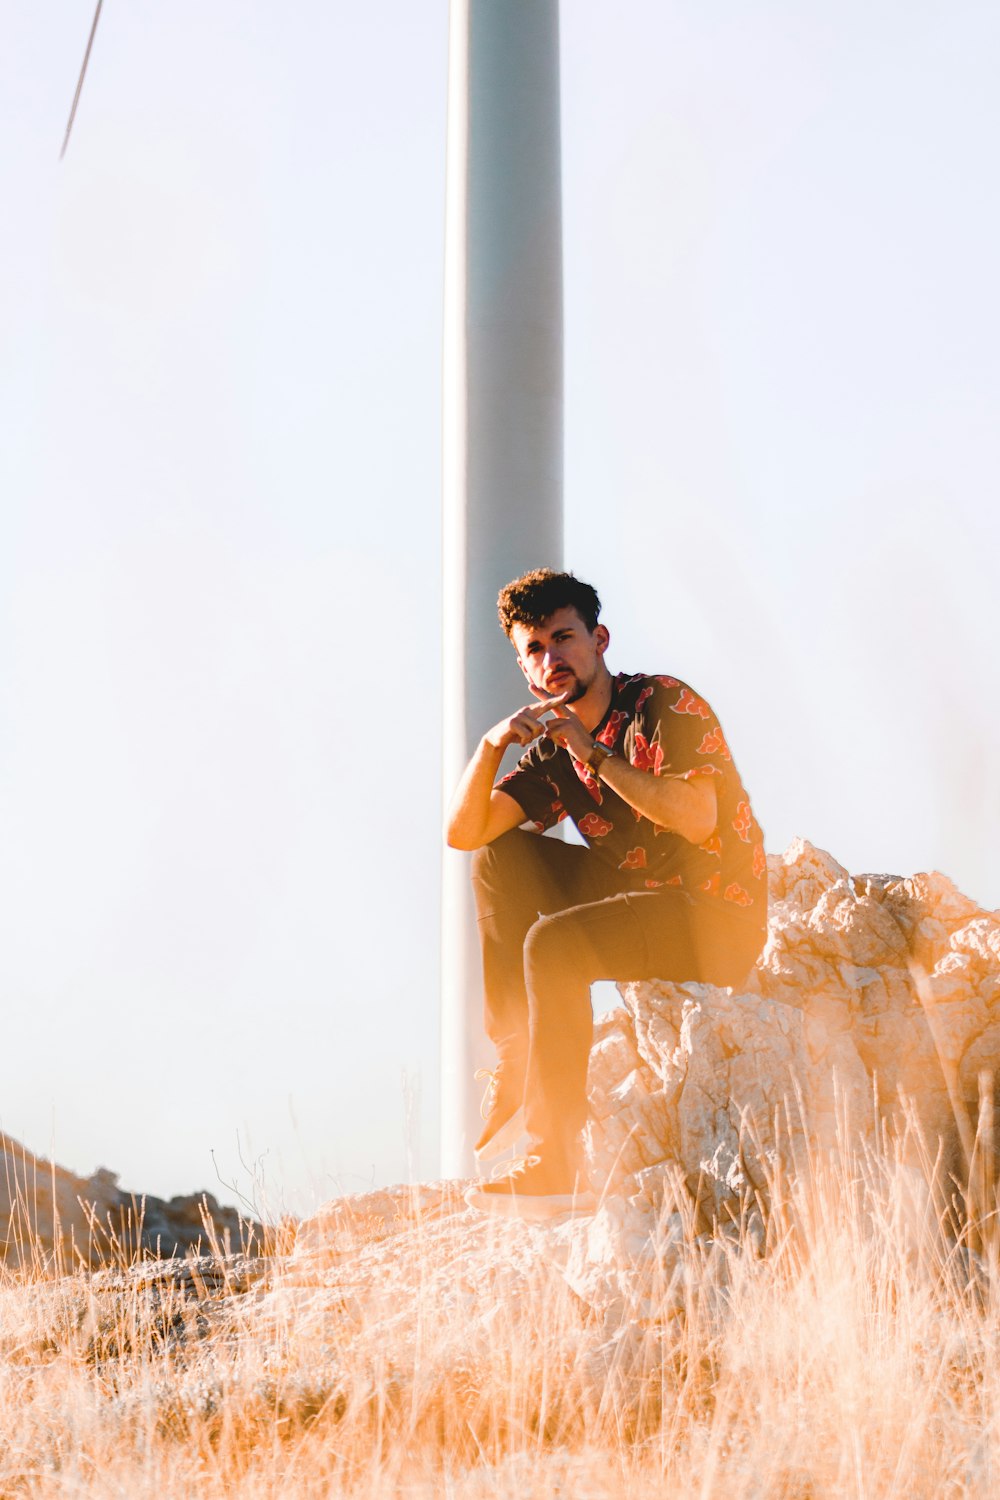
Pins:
x: 591, y: 708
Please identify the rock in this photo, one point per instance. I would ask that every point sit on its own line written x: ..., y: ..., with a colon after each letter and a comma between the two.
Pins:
x: 48, y: 1215
x: 624, y: 1262
x: 874, y: 1007
x: 869, y: 1008
x: 802, y: 874
x: 631, y: 1265
x: 874, y: 1001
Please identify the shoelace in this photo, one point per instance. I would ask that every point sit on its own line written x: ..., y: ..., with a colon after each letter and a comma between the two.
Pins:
x: 515, y: 1168
x: 489, y: 1098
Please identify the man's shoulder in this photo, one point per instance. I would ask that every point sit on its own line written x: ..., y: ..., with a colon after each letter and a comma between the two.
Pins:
x: 662, y: 696
x: 644, y: 685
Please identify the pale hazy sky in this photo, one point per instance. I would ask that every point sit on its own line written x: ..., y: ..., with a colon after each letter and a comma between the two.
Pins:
x: 220, y: 351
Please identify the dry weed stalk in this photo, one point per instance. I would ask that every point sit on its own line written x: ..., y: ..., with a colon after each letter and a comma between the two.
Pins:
x: 856, y: 1356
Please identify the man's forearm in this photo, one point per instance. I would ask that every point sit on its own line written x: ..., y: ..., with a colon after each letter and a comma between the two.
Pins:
x: 470, y: 807
x: 476, y: 815
x: 685, y: 807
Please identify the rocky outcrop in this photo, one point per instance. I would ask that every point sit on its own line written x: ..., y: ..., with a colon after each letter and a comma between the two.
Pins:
x: 876, y: 1002
x: 872, y: 1015
x: 49, y: 1215
x: 871, y: 1018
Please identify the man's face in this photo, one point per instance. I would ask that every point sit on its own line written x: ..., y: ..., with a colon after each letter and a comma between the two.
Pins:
x: 560, y: 655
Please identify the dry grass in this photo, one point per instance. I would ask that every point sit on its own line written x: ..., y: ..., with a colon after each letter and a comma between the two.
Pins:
x: 857, y: 1357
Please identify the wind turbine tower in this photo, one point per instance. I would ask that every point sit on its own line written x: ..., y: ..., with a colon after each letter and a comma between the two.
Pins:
x: 503, y: 451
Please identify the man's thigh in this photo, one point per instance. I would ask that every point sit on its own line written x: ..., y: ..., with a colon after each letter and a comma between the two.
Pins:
x: 645, y: 935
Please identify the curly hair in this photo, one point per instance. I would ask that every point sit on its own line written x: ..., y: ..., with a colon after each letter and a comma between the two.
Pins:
x: 532, y: 598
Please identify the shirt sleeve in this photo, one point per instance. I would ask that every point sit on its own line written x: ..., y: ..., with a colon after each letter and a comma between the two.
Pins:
x: 537, y: 794
x: 677, y: 733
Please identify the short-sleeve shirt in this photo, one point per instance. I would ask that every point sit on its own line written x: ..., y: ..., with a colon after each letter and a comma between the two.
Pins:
x: 662, y: 726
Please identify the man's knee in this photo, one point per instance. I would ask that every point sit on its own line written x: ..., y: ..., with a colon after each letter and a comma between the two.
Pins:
x: 505, y: 863
x: 490, y: 857
x: 553, y: 955
x: 488, y: 871
x: 498, y: 877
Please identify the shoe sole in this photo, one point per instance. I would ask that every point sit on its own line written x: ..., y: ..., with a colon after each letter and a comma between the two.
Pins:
x: 502, y: 1140
x: 534, y: 1206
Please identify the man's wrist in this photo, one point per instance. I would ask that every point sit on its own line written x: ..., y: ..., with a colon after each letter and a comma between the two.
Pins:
x: 599, y: 754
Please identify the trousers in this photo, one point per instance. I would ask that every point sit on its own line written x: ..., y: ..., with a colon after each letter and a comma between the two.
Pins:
x: 553, y: 919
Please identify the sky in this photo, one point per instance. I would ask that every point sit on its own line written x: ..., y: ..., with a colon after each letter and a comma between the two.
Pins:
x: 220, y: 533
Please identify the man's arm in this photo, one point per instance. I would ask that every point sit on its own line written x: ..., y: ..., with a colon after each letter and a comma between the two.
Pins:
x: 479, y: 813
x: 687, y: 807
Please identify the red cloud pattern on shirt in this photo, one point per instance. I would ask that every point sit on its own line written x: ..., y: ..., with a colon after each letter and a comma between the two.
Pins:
x: 635, y: 859
x: 687, y: 703
x: 609, y: 733
x: 759, y: 861
x: 589, y: 780
x: 743, y: 821
x: 737, y: 894
x: 714, y: 743
x: 594, y: 827
x: 711, y: 885
x: 647, y: 757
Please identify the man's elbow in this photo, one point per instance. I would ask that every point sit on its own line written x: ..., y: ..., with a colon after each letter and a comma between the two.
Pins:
x: 456, y: 839
x: 700, y: 833
x: 701, y: 819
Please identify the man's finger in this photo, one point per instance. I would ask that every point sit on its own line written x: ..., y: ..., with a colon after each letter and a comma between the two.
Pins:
x: 553, y: 700
x: 551, y: 705
x: 525, y: 727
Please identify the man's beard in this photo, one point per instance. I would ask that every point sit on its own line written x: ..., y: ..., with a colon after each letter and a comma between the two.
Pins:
x: 577, y: 689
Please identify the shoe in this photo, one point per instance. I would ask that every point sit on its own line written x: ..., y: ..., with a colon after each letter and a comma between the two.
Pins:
x: 502, y: 1112
x: 530, y: 1190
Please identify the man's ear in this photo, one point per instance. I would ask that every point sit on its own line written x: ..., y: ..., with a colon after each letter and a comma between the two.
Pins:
x: 602, y: 638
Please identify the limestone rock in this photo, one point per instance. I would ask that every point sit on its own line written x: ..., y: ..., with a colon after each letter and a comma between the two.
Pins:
x: 875, y: 998
x: 623, y: 1262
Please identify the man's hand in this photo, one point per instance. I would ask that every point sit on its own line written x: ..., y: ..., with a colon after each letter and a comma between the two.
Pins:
x: 565, y: 729
x: 524, y: 726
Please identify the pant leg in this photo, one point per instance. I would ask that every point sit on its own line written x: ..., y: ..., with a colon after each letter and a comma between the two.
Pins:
x: 514, y: 879
x: 638, y: 935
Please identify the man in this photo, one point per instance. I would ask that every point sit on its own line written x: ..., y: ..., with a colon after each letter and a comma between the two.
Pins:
x: 672, y: 883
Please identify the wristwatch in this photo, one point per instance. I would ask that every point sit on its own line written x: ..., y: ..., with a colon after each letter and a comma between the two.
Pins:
x: 598, y: 755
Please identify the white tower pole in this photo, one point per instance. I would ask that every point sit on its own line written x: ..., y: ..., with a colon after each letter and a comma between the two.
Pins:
x: 502, y: 432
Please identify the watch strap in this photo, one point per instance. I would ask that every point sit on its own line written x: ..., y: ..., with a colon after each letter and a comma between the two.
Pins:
x: 598, y: 755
